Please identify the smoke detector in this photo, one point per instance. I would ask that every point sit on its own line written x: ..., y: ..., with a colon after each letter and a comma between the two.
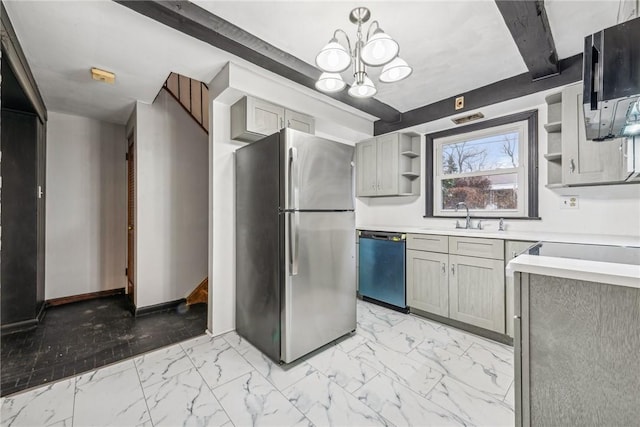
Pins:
x: 103, y: 75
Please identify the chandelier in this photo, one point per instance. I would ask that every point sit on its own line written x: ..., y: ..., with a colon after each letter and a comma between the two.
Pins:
x: 377, y: 50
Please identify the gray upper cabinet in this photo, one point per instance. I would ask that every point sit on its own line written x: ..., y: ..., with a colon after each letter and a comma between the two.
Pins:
x: 253, y: 119
x: 299, y: 121
x: 388, y: 165
x: 367, y: 168
x: 586, y: 162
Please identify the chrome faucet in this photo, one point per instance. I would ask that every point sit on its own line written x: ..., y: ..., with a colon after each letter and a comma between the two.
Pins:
x: 468, y: 221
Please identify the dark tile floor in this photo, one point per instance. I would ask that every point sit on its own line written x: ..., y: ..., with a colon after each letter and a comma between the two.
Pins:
x: 82, y: 336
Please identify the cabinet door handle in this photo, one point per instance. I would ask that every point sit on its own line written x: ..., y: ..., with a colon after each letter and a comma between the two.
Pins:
x: 453, y: 269
x: 444, y: 267
x: 572, y: 166
x: 288, y: 123
x: 281, y: 122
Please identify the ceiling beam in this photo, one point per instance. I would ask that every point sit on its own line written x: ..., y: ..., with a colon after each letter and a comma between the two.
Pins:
x: 527, y: 21
x: 504, y: 90
x: 201, y: 24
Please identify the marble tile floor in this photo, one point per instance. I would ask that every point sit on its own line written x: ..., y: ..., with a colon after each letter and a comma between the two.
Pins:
x: 395, y: 370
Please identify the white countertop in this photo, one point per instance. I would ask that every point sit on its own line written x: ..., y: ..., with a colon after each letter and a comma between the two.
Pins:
x: 592, y: 271
x: 534, y: 236
x: 578, y: 269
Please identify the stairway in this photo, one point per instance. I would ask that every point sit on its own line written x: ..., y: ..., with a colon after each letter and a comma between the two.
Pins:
x: 200, y: 293
x: 193, y: 95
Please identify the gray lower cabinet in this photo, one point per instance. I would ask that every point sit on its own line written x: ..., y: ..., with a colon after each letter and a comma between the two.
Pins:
x: 443, y: 279
x: 476, y: 291
x: 511, y: 249
x: 428, y: 281
x: 576, y: 353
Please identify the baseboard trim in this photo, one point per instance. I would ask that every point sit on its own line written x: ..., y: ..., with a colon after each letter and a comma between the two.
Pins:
x: 164, y: 306
x: 83, y: 297
x: 492, y: 335
x: 404, y: 310
x: 24, y: 325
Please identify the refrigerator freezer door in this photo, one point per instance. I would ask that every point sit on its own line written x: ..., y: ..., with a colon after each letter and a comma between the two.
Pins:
x: 318, y: 170
x: 320, y: 285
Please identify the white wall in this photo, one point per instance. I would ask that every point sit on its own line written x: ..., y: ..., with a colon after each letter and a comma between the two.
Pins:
x: 172, y: 202
x: 230, y: 84
x: 612, y: 209
x: 603, y: 210
x: 86, y: 206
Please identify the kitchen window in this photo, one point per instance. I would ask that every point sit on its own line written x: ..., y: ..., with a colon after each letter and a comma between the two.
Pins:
x: 490, y: 166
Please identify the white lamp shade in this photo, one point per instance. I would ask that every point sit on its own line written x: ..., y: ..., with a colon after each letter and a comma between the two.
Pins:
x: 379, y: 49
x: 395, y: 71
x: 333, y: 58
x: 330, y: 82
x: 366, y: 89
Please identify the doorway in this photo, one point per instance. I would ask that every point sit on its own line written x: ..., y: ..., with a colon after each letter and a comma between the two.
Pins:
x: 131, y: 200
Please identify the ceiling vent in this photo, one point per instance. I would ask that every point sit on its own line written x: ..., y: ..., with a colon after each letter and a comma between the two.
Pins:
x: 103, y: 76
x: 469, y: 118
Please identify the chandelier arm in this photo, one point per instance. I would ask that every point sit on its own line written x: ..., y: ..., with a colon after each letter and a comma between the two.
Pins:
x: 346, y: 36
x: 369, y: 29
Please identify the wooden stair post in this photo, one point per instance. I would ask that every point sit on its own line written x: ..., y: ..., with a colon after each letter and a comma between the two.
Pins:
x: 200, y: 294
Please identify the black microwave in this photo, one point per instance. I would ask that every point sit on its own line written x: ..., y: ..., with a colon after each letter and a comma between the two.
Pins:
x: 611, y: 77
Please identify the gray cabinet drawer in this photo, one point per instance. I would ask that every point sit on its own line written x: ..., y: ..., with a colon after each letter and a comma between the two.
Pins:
x: 428, y: 242
x: 477, y: 247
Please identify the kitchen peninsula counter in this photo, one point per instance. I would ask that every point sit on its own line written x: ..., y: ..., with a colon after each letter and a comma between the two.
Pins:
x: 576, y: 334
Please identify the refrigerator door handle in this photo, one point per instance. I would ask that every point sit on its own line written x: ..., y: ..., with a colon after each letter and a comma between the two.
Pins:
x: 294, y: 224
x: 294, y: 199
x: 294, y: 219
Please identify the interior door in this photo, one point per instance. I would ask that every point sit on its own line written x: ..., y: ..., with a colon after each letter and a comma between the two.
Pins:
x: 320, y: 283
x: 131, y: 199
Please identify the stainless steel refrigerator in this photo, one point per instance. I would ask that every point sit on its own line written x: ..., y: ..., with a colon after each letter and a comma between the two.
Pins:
x: 295, y: 243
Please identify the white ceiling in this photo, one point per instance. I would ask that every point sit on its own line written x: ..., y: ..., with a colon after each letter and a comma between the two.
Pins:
x: 453, y: 46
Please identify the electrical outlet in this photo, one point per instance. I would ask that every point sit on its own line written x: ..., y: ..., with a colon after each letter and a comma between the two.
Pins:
x: 569, y: 202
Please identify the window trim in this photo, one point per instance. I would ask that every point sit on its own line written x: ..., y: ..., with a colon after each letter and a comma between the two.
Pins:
x: 531, y: 190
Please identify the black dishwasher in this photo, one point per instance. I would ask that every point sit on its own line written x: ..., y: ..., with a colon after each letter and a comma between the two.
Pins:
x: 381, y: 268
